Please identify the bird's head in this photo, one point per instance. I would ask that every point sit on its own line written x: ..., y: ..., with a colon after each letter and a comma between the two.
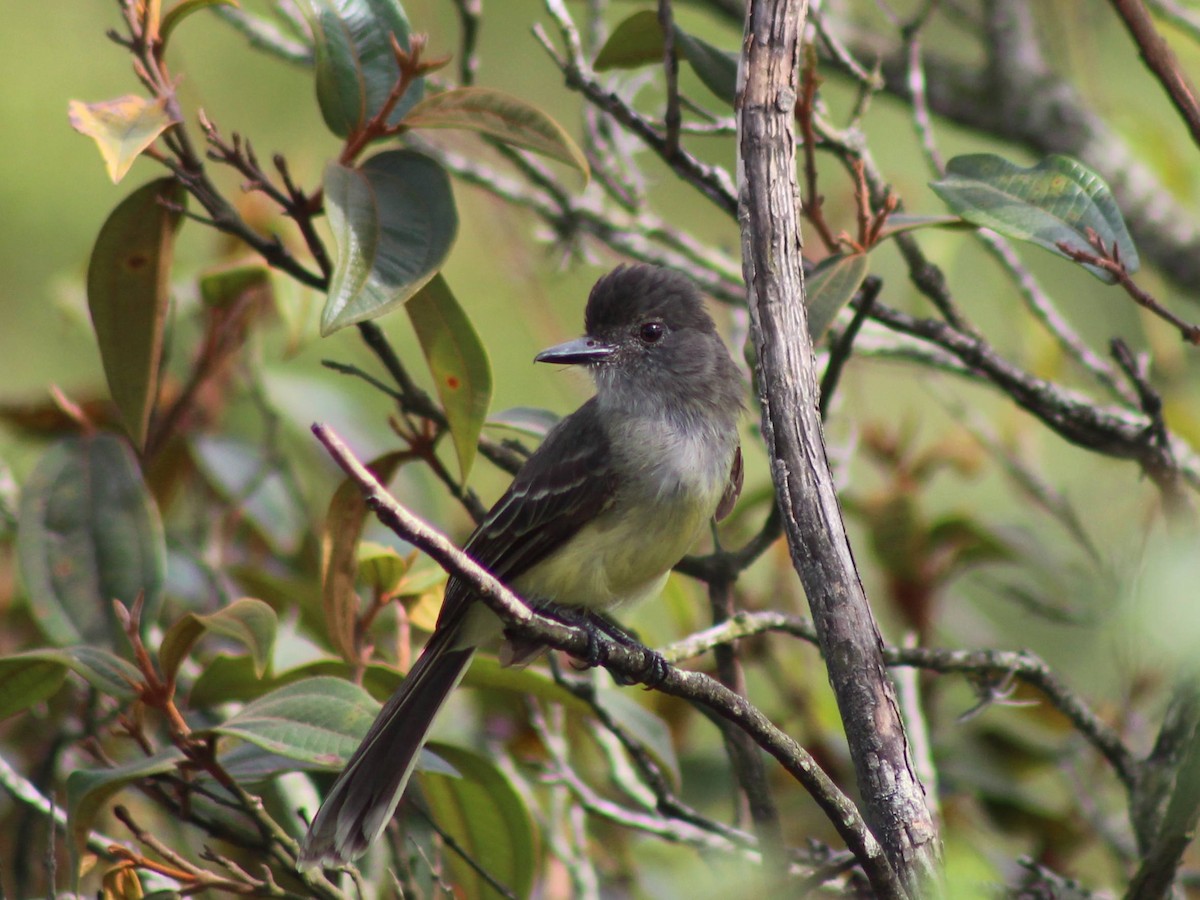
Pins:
x: 649, y: 336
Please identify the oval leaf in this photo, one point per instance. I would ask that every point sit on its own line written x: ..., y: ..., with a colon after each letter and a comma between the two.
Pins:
x: 501, y: 116
x: 122, y: 128
x: 25, y: 682
x: 638, y: 41
x: 394, y: 222
x: 339, y: 556
x: 88, y: 533
x: 355, y: 66
x: 29, y: 678
x: 635, y: 42
x: 250, y: 622
x: 487, y: 818
x: 318, y: 720
x: 830, y: 286
x: 458, y: 363
x: 1054, y: 202
x: 716, y: 69
x: 128, y: 288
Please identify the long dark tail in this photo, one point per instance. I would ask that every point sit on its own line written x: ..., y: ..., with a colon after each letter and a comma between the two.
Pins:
x: 367, y: 792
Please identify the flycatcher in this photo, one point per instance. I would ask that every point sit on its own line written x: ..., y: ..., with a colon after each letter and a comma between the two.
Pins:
x: 596, y: 517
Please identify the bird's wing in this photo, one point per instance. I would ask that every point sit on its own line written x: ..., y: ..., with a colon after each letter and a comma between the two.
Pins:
x: 566, y: 483
x: 733, y: 488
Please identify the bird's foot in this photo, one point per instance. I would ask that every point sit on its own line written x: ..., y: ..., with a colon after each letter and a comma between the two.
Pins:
x: 576, y: 617
x: 656, y: 668
x: 597, y: 626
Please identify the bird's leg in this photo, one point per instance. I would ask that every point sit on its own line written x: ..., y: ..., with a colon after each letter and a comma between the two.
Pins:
x: 576, y: 617
x: 595, y: 624
x: 655, y: 671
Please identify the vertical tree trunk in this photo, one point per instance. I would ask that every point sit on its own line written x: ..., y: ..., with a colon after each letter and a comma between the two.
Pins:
x: 893, y: 797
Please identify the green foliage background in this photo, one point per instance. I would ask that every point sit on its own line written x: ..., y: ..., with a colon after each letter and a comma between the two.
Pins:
x: 54, y: 196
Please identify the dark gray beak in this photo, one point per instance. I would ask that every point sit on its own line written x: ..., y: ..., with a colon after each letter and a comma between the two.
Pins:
x: 580, y: 351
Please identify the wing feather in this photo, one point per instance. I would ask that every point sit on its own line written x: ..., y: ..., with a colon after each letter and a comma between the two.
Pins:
x: 566, y: 483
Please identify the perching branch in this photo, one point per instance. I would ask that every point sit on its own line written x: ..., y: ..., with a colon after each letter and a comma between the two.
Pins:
x: 632, y: 664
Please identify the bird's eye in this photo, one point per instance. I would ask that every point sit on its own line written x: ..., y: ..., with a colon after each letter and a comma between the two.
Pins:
x: 651, y: 332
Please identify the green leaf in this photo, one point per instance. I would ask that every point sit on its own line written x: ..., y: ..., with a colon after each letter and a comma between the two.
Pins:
x: 181, y: 10
x: 635, y: 42
x: 317, y: 720
x: 226, y: 678
x: 34, y: 676
x: 394, y: 222
x: 122, y: 128
x: 716, y: 69
x: 898, y: 223
x: 501, y: 116
x: 229, y: 679
x: 458, y: 362
x: 88, y: 790
x: 1054, y: 202
x: 651, y: 731
x: 380, y: 568
x: 88, y: 533
x: 830, y: 286
x: 25, y: 682
x: 222, y: 286
x: 638, y: 41
x: 487, y: 818
x: 486, y: 673
x: 250, y: 622
x: 356, y: 68
x: 128, y: 289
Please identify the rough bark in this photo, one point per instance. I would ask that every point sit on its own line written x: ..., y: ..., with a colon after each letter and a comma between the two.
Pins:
x: 893, y: 798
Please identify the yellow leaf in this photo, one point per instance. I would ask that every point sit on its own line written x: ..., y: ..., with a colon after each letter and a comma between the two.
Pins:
x: 122, y: 128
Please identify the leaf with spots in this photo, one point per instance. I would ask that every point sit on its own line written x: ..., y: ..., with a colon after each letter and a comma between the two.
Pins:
x: 1058, y: 201
x: 458, y: 362
x: 88, y: 533
x: 128, y: 289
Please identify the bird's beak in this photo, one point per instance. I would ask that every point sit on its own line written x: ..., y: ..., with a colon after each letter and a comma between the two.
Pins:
x: 580, y: 351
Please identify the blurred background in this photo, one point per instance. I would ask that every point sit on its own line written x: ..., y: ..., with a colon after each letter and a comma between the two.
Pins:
x: 905, y: 441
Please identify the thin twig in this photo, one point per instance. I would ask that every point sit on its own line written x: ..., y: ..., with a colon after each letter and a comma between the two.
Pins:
x: 840, y: 353
x: 712, y: 181
x: 1157, y: 54
x: 672, y: 117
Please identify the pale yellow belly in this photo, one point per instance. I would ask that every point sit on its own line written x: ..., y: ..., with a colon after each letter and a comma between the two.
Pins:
x: 610, y: 563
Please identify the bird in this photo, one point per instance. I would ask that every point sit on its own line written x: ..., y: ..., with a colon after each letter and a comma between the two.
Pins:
x: 595, y: 518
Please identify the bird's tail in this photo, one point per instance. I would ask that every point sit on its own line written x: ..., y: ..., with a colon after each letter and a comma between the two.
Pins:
x: 367, y: 792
